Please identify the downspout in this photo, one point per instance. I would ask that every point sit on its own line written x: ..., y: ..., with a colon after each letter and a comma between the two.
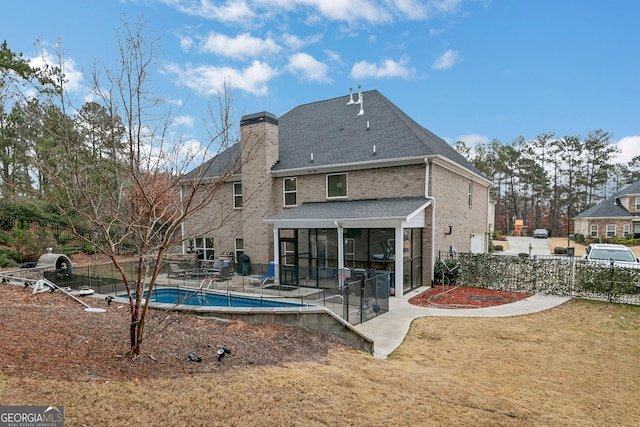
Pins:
x: 433, y: 218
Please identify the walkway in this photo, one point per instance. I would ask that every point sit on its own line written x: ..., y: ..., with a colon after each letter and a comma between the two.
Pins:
x: 389, y: 330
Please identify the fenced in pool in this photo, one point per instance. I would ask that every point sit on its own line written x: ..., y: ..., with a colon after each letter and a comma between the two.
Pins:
x: 212, y: 299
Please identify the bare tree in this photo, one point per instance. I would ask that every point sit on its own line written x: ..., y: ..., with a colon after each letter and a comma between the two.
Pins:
x: 135, y: 194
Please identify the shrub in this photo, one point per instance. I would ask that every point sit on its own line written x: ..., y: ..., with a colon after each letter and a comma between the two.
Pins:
x: 449, y: 269
x: 579, y: 238
x: 559, y: 250
x: 29, y: 246
x: 7, y: 257
x: 498, y: 248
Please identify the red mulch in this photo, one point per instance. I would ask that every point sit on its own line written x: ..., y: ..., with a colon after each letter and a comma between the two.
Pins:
x: 456, y: 297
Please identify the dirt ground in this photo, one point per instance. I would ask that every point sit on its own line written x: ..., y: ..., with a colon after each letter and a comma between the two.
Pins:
x: 48, y: 335
x: 573, y: 365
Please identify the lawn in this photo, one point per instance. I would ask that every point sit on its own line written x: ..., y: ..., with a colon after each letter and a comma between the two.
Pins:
x: 576, y: 364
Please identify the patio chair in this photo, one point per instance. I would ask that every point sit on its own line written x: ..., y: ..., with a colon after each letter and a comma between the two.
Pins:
x: 223, y: 274
x: 263, y: 279
x: 176, y: 271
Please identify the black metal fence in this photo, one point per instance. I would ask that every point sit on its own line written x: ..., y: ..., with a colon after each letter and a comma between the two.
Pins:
x: 556, y: 275
x: 355, y: 295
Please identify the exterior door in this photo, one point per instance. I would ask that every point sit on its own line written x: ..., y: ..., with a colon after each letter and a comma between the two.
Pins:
x: 288, y: 258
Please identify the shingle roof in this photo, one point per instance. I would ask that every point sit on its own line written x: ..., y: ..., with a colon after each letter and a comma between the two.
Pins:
x: 220, y: 164
x: 335, y: 134
x: 399, y: 207
x: 611, y: 208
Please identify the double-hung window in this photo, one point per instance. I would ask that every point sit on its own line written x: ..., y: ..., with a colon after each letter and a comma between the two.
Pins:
x: 337, y: 185
x: 594, y: 230
x: 290, y: 189
x: 611, y: 230
x: 237, y: 195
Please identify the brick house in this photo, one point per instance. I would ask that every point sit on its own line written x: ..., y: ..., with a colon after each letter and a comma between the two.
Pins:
x: 348, y: 182
x: 618, y: 216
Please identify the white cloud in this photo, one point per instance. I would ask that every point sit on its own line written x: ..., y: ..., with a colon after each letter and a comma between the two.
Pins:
x: 388, y: 68
x: 307, y: 67
x: 242, y: 11
x: 333, y: 56
x: 207, y: 80
x: 351, y: 10
x: 73, y: 78
x: 296, y: 43
x: 185, y: 43
x: 473, y: 139
x: 444, y: 6
x: 231, y: 11
x: 241, y: 46
x: 184, y: 121
x: 446, y: 60
x: 629, y: 147
x: 413, y: 9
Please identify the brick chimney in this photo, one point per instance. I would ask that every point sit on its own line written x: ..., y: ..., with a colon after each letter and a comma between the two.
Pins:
x: 259, y: 142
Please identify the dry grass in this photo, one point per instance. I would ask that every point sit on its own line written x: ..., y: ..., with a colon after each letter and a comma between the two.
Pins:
x: 574, y: 365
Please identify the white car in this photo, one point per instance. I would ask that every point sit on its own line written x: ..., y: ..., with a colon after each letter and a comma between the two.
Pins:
x: 619, y: 255
x: 540, y: 233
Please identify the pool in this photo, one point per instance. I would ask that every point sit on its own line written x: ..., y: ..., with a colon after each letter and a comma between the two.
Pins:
x: 203, y: 298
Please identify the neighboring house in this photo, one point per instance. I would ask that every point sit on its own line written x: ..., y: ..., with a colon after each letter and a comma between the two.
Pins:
x: 617, y: 216
x: 350, y: 182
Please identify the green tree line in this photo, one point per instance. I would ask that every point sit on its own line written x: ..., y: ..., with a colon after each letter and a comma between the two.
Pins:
x: 548, y: 180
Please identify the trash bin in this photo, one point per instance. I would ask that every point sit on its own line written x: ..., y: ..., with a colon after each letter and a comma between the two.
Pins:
x: 244, y: 265
x: 571, y: 251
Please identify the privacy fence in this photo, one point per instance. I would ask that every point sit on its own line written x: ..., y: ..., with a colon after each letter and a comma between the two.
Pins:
x: 556, y: 275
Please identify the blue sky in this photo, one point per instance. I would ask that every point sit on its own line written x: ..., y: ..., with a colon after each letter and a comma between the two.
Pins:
x: 471, y: 70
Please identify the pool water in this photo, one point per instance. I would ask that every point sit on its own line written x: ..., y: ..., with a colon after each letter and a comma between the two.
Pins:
x: 203, y: 298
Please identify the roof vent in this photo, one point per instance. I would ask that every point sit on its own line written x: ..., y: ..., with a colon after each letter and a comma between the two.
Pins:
x: 312, y: 157
x: 361, y: 102
x: 351, y: 101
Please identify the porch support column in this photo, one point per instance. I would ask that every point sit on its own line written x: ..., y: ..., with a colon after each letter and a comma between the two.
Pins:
x: 340, y: 245
x: 340, y: 254
x: 276, y: 255
x: 399, y: 264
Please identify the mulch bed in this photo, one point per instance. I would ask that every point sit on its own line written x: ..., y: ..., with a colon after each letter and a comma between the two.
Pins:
x: 459, y: 297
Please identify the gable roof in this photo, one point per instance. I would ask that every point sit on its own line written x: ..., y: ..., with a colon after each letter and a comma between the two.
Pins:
x: 335, y: 134
x: 611, y: 207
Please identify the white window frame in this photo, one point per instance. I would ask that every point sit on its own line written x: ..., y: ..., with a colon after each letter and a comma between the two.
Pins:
x: 638, y: 203
x: 237, y: 195
x: 204, y: 244
x: 609, y: 227
x: 470, y: 194
x: 346, y: 184
x: 626, y: 229
x: 238, y: 247
x: 285, y: 191
x: 593, y: 232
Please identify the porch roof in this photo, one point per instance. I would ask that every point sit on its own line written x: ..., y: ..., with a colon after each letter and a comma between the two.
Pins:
x: 390, y: 212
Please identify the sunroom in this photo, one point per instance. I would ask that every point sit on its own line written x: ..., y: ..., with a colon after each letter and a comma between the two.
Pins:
x: 323, y: 244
